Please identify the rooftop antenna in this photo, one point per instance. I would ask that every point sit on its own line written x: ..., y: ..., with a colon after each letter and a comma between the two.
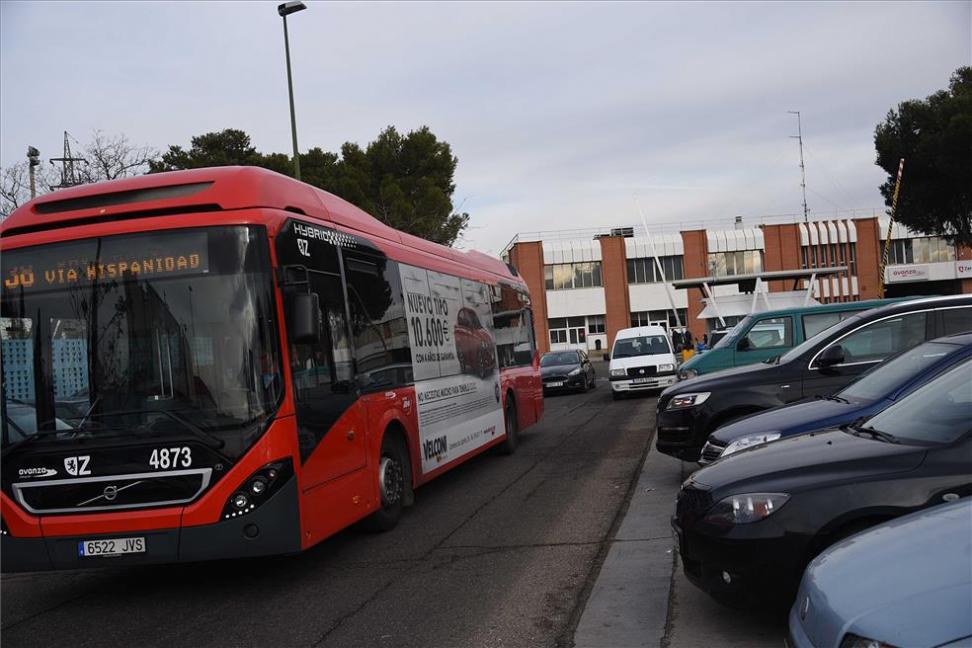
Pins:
x: 803, y: 170
x: 69, y: 176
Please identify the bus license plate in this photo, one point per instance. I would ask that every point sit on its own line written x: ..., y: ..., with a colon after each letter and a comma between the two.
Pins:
x: 639, y: 381
x: 112, y: 547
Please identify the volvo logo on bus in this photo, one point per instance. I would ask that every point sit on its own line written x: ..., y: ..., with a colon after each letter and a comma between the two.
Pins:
x: 111, y: 492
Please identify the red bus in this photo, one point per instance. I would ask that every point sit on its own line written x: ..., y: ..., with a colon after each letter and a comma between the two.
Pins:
x: 227, y: 362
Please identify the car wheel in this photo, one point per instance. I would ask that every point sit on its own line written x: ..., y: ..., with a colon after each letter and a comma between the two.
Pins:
x: 508, y: 446
x: 584, y: 385
x: 392, y: 473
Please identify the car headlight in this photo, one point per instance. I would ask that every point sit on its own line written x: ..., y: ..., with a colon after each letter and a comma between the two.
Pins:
x: 746, y: 508
x: 750, y: 441
x: 666, y: 367
x: 620, y: 373
x: 681, y: 401
x: 685, y: 374
x: 853, y: 641
x: 575, y: 372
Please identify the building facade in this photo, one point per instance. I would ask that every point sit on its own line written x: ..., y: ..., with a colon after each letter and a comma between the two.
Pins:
x: 586, y: 285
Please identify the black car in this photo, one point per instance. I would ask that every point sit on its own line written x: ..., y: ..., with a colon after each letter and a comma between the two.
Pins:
x: 567, y: 371
x: 689, y: 411
x: 864, y: 397
x: 748, y: 525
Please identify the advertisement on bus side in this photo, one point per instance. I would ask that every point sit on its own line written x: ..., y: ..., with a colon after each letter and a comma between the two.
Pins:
x: 457, y: 389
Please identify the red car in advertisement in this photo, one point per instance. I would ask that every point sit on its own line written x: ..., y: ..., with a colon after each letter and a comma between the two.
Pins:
x: 474, y: 344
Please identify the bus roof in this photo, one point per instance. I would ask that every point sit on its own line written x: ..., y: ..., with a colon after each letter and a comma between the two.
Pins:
x: 218, y: 189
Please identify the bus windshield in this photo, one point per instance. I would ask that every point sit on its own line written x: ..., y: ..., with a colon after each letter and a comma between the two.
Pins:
x: 140, y: 337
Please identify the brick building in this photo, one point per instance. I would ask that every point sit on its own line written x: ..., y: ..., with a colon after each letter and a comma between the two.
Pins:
x: 588, y: 284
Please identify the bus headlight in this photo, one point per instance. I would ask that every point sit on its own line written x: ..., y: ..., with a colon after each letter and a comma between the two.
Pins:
x: 258, y: 488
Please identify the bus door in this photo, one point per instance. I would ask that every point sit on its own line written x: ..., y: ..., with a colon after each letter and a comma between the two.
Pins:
x: 330, y: 420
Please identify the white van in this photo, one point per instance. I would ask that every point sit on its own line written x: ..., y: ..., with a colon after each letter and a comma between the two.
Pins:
x: 642, y: 358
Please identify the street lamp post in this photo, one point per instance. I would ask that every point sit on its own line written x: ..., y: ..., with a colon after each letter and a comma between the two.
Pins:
x: 285, y: 10
x: 33, y: 159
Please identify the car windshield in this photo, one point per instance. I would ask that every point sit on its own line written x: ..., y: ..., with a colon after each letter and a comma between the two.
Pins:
x: 893, y: 372
x: 561, y: 358
x: 640, y: 346
x: 939, y: 412
x: 730, y: 337
x: 144, y: 335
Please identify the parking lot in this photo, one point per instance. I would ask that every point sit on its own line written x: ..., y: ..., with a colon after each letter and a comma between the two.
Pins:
x: 504, y: 551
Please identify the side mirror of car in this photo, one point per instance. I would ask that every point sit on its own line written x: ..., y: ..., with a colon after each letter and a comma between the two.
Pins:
x: 305, y: 318
x: 744, y: 344
x: 832, y: 355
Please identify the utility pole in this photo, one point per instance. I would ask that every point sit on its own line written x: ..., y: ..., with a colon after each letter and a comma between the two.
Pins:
x: 68, y: 176
x: 33, y: 159
x: 803, y: 170
x: 887, y: 239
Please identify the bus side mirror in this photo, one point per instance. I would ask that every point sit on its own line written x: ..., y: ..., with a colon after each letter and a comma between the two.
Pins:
x: 833, y: 355
x: 304, y: 323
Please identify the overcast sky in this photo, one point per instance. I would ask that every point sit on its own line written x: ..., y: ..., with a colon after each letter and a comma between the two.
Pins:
x: 559, y: 113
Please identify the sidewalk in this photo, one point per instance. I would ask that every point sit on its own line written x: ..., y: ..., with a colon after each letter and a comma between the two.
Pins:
x: 628, y: 606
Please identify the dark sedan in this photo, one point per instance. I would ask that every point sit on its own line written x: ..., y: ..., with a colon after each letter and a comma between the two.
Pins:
x: 567, y: 371
x: 748, y: 524
x: 689, y: 411
x: 866, y: 396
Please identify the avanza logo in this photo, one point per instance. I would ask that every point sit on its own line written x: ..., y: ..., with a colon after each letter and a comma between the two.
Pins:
x: 435, y: 448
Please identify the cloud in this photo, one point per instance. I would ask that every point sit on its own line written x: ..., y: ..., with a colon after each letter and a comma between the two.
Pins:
x: 558, y: 112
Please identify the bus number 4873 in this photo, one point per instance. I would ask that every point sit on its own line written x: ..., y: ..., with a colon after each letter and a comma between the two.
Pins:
x: 165, y: 458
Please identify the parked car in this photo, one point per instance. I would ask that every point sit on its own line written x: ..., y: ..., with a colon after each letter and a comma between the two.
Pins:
x: 761, y: 336
x: 567, y: 370
x: 691, y: 410
x: 474, y: 344
x: 907, y: 582
x: 748, y: 524
x: 642, y: 359
x: 868, y: 395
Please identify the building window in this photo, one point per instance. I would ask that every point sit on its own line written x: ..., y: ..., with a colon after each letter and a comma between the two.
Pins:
x: 563, y: 276
x: 644, y: 270
x: 646, y: 318
x: 595, y: 323
x: 572, y: 330
x: 725, y: 264
x: 928, y: 249
x: 901, y: 252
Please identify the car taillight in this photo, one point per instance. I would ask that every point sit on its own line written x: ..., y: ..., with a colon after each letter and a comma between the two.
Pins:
x: 258, y: 488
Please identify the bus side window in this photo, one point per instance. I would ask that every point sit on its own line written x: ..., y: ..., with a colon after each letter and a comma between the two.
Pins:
x: 322, y: 371
x: 378, y: 327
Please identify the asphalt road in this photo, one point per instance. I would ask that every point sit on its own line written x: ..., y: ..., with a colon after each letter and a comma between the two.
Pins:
x: 500, y: 552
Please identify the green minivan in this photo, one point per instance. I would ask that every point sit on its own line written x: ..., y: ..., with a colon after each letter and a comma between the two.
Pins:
x: 762, y: 336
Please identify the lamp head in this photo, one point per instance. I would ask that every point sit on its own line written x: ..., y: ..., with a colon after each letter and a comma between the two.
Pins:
x: 288, y: 8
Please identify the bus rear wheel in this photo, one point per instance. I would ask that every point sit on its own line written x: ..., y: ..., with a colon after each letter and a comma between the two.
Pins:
x: 392, y: 476
x: 508, y: 446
